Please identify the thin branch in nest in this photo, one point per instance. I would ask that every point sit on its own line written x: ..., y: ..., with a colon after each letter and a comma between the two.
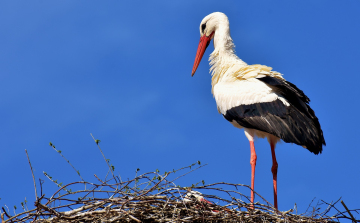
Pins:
x: 352, y: 217
x: 32, y: 173
x: 68, y: 161
x: 111, y: 168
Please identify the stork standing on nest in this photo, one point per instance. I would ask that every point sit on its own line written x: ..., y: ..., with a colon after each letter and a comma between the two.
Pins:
x: 255, y: 98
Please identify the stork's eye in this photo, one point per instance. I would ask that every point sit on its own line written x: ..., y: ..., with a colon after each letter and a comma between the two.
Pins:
x: 203, y: 26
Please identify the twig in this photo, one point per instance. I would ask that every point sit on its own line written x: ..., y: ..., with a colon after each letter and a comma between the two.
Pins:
x: 63, y: 188
x: 7, y: 215
x: 189, y: 171
x: 26, y: 212
x: 97, y: 143
x: 55, y: 182
x: 132, y: 217
x: 32, y: 172
x: 59, y: 151
x: 310, y: 205
x: 41, y: 188
x: 352, y: 217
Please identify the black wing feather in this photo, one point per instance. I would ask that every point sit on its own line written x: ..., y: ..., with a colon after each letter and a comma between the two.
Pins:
x: 296, y: 123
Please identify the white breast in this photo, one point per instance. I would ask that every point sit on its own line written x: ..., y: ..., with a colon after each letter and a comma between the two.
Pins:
x: 243, y: 92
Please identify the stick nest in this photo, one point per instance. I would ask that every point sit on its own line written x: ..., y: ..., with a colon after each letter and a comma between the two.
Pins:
x: 152, y: 197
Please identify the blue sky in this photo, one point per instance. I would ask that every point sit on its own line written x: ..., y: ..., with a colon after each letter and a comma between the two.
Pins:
x: 122, y: 71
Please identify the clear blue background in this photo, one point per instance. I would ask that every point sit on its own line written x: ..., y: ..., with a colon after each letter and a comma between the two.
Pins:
x: 122, y: 71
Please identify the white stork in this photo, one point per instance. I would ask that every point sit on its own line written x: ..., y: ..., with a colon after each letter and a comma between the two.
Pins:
x: 255, y: 98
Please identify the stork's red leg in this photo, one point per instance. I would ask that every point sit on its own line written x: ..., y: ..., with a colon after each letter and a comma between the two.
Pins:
x: 253, y: 164
x: 274, y: 169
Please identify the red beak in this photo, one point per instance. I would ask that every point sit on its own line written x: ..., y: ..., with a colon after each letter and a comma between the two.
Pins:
x: 203, y: 44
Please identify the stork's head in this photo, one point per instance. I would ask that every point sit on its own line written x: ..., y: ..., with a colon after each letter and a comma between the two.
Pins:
x: 208, y: 27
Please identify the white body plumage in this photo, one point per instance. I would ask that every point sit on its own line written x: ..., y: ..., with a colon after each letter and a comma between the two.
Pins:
x: 234, y: 82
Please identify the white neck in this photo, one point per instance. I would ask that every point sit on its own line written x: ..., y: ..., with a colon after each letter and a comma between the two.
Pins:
x: 223, y: 57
